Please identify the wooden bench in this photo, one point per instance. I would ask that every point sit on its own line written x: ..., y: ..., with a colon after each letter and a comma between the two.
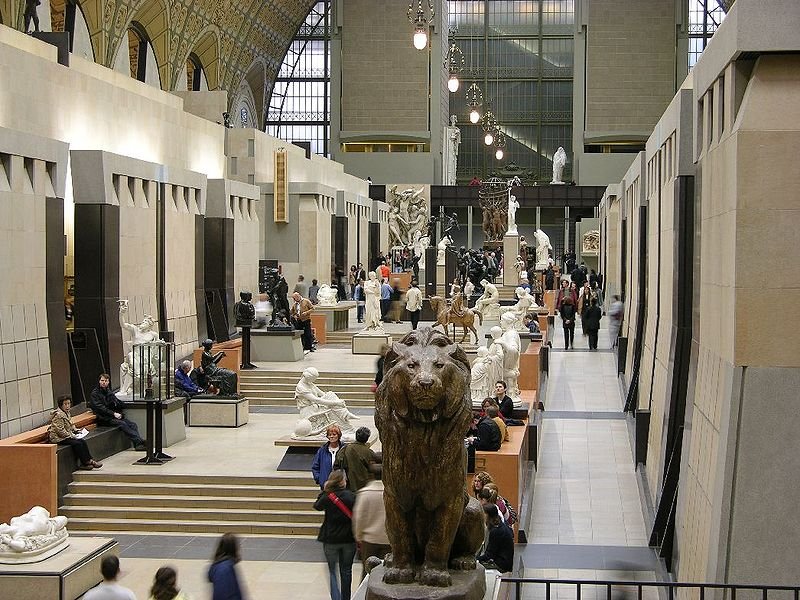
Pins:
x: 529, y: 367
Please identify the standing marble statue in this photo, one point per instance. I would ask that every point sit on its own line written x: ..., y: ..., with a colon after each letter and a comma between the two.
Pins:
x: 479, y: 383
x: 372, y: 310
x: 512, y: 345
x: 327, y: 296
x: 450, y: 159
x: 559, y: 160
x: 419, y: 243
x: 495, y: 357
x: 442, y: 247
x: 543, y: 249
x: 141, y: 333
x: 513, y: 205
x: 318, y: 409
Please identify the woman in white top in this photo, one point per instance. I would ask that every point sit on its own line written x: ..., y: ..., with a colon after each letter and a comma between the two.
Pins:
x: 414, y: 303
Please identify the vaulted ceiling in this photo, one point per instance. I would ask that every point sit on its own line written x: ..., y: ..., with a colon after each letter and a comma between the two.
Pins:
x: 231, y: 37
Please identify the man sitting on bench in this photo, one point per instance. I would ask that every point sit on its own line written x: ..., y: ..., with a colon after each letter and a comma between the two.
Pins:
x: 184, y: 386
x: 108, y: 409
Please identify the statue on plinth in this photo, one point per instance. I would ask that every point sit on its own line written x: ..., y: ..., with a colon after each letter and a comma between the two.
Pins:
x: 442, y: 247
x: 526, y: 303
x: 479, y: 384
x: 141, y: 333
x: 512, y: 345
x: 495, y: 358
x: 559, y: 160
x: 245, y: 314
x: 543, y: 249
x: 31, y: 14
x: 223, y: 379
x: 513, y: 205
x: 419, y: 243
x: 277, y: 289
x: 469, y: 289
x: 422, y: 409
x: 318, y: 409
x: 32, y: 537
x: 327, y: 296
x: 372, y: 310
x: 488, y: 305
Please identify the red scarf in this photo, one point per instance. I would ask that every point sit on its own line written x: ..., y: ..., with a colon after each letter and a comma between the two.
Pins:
x: 340, y: 505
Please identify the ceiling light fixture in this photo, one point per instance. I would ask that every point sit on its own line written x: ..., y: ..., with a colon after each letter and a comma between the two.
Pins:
x: 421, y: 22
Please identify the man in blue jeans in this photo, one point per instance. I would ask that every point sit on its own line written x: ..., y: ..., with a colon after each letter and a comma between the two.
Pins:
x: 108, y: 409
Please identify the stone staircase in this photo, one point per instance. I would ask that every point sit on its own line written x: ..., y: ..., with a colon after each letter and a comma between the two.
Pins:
x: 345, y: 336
x: 151, y: 502
x: 276, y: 388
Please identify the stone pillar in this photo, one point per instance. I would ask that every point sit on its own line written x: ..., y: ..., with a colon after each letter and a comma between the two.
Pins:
x: 510, y: 253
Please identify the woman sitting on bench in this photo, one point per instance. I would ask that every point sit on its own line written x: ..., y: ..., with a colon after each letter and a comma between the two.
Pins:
x: 63, y: 432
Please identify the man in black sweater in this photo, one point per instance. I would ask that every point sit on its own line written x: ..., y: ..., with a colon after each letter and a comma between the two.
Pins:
x: 488, y: 435
x: 505, y: 403
x: 108, y: 409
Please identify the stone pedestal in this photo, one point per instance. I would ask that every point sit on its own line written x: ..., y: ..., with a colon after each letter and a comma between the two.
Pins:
x: 369, y: 344
x: 467, y: 585
x: 336, y: 317
x: 510, y: 253
x: 216, y: 411
x: 172, y: 427
x: 441, y: 281
x: 276, y: 346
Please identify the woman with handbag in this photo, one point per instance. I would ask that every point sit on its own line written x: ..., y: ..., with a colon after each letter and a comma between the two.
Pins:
x: 63, y: 432
x: 336, y: 532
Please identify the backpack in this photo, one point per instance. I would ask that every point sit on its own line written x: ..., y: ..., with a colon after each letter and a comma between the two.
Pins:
x: 512, y: 514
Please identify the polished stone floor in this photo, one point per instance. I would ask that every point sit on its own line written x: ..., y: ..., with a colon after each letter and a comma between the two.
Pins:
x: 587, y: 519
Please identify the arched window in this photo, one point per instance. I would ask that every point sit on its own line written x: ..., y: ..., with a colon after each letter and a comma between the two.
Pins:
x: 299, y: 104
x: 195, y: 76
x: 67, y: 16
x: 137, y: 51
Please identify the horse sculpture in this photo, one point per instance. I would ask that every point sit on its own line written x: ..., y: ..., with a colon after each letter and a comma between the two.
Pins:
x: 445, y: 316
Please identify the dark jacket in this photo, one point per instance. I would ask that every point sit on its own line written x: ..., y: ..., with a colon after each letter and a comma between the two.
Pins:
x: 592, y: 319
x: 568, y: 314
x: 500, y: 547
x: 104, y: 404
x: 222, y: 576
x: 579, y: 277
x: 489, y: 436
x: 337, y: 527
x: 355, y: 459
x: 322, y: 466
x: 507, y: 407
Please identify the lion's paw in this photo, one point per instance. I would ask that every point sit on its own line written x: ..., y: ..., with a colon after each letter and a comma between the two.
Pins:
x: 463, y: 563
x: 434, y: 577
x: 397, y: 575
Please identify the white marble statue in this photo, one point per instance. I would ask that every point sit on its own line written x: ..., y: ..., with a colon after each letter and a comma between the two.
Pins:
x: 327, y: 296
x: 513, y: 205
x: 479, y: 383
x: 511, y: 344
x: 469, y: 289
x: 488, y: 305
x: 496, y: 358
x: 419, y: 243
x: 525, y: 304
x: 408, y: 213
x: 141, y: 333
x: 450, y: 160
x: 372, y: 309
x: 519, y: 266
x: 559, y: 160
x: 319, y: 409
x: 32, y: 537
x: 442, y: 246
x: 543, y: 249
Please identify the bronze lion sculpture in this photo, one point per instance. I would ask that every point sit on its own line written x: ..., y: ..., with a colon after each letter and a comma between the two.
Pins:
x: 422, y: 411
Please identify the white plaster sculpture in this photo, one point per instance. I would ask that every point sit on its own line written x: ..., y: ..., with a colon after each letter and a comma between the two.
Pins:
x: 496, y: 358
x: 450, y: 163
x: 469, y: 289
x: 519, y: 267
x: 408, y: 213
x: 419, y: 243
x: 511, y: 344
x: 525, y: 304
x: 32, y: 537
x: 372, y: 309
x: 442, y: 246
x: 488, y: 305
x: 319, y: 409
x: 543, y: 249
x: 559, y: 160
x: 513, y: 205
x: 479, y: 380
x: 327, y: 296
x: 141, y: 333
x: 590, y: 242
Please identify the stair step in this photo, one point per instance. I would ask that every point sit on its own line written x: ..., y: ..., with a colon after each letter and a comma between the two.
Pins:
x: 258, y: 401
x: 155, y: 489
x: 155, y: 514
x: 225, y: 481
x: 239, y: 527
x: 209, y: 502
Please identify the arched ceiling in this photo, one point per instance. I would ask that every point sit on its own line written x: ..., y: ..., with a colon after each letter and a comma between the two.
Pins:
x: 246, y: 31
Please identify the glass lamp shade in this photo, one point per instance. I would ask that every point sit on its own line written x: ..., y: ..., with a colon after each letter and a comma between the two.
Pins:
x: 499, y: 154
x: 474, y: 116
x: 453, y: 83
x: 420, y: 39
x: 488, y: 138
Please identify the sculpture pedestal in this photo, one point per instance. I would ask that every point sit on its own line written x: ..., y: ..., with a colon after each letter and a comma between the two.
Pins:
x: 510, y: 253
x: 369, y: 344
x: 441, y: 281
x: 218, y: 411
x: 467, y: 585
x: 337, y: 317
x: 172, y: 427
x: 276, y: 346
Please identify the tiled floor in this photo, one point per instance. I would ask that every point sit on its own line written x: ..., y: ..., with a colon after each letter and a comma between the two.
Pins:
x: 587, y: 519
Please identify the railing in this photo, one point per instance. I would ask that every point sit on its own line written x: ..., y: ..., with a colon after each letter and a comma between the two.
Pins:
x: 607, y: 590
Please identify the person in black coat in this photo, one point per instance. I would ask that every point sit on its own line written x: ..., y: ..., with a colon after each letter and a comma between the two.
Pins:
x: 591, y: 322
x: 336, y: 532
x: 568, y: 312
x: 504, y: 403
x: 487, y: 435
x: 499, y: 552
x: 108, y: 409
x: 578, y: 276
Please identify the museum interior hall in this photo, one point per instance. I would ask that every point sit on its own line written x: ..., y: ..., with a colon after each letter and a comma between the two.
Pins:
x: 399, y: 299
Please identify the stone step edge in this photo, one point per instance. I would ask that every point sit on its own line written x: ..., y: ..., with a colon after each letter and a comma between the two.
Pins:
x: 279, y: 481
x: 223, y: 525
x: 196, y: 510
x: 99, y: 499
x: 110, y: 485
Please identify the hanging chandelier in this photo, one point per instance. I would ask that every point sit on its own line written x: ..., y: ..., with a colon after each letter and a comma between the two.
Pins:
x: 474, y: 102
x: 422, y: 21
x: 500, y: 145
x: 454, y: 63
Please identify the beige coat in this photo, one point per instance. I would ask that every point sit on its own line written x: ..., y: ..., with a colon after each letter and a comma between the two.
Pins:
x: 369, y: 515
x: 61, y: 427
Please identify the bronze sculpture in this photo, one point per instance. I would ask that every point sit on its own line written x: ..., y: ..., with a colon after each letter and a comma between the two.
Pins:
x: 245, y: 313
x: 422, y: 413
x: 275, y: 286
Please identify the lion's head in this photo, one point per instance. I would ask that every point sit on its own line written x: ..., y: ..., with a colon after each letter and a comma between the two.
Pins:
x: 426, y: 377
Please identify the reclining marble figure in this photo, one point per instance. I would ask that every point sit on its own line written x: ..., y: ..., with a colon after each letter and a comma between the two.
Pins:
x: 319, y: 409
x: 327, y: 295
x: 32, y: 537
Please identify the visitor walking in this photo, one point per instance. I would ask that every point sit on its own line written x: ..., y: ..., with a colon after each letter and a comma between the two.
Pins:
x: 568, y: 321
x: 336, y: 533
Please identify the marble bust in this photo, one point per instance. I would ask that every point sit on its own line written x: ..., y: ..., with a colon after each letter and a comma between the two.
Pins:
x: 327, y: 296
x: 319, y: 409
x: 32, y: 537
